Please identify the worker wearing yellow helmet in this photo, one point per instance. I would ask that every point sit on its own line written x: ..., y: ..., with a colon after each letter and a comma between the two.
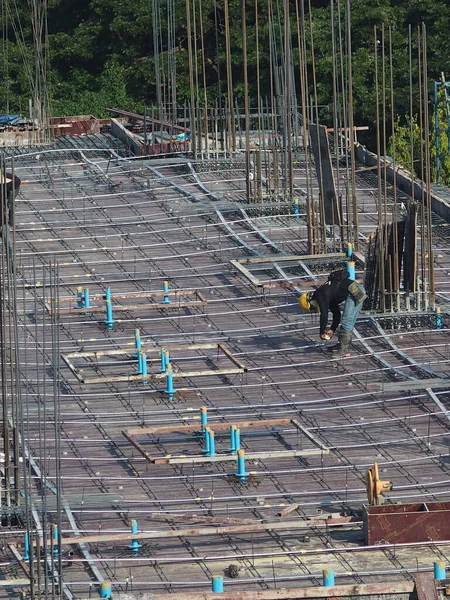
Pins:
x: 327, y: 298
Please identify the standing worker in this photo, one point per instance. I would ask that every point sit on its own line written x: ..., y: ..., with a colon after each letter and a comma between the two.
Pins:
x: 9, y: 187
x: 339, y: 288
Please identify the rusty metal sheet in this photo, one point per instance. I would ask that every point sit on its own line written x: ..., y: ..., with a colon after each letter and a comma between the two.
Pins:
x: 409, y: 507
x: 76, y: 125
x: 425, y: 586
x: 407, y: 523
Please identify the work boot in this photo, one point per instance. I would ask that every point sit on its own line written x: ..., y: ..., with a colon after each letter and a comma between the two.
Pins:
x: 335, y: 348
x: 345, y: 337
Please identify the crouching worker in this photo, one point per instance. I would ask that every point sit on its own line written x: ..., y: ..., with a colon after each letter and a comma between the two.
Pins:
x: 339, y: 288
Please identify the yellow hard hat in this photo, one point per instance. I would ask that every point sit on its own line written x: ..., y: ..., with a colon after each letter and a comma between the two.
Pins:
x: 305, y: 301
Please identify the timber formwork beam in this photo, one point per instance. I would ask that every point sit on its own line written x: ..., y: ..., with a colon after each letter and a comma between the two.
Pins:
x: 215, y: 426
x: 197, y: 459
x: 180, y: 300
x: 313, y: 593
x: 222, y: 352
x: 193, y: 532
x: 419, y: 384
x: 338, y: 591
x: 131, y: 434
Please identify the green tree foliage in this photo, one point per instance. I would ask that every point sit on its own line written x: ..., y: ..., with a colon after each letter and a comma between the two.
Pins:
x: 407, y: 147
x: 102, y: 52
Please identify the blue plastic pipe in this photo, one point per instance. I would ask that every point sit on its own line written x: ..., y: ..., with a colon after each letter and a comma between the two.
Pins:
x: 349, y: 250
x: 80, y: 297
x: 203, y: 417
x: 55, y: 540
x: 212, y: 443
x: 135, y: 545
x: 137, y: 339
x: 232, y: 445
x: 351, y: 270
x: 109, y: 316
x: 105, y: 589
x: 241, y: 472
x: 169, y: 382
x: 26, y: 548
x: 207, y: 440
x: 163, y: 360
x: 439, y: 570
x: 143, y: 365
x: 166, y: 289
x: 217, y: 585
x: 328, y: 577
x: 237, y: 439
x: 86, y: 301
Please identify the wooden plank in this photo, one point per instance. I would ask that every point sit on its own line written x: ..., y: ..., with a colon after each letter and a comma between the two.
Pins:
x: 338, y: 591
x: 132, y: 350
x: 233, y: 359
x: 201, y: 519
x: 183, y: 459
x: 25, y: 568
x: 290, y: 257
x: 214, y: 426
x: 425, y: 586
x: 308, y: 434
x: 288, y: 509
x: 136, y: 307
x: 246, y: 273
x: 137, y: 445
x: 157, y: 376
x: 360, y: 257
x: 347, y: 129
x: 96, y: 297
x: 14, y: 583
x: 419, y: 384
x: 175, y: 533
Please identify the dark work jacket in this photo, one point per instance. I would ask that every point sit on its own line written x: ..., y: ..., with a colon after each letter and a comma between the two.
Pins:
x: 11, y: 188
x: 13, y: 184
x: 328, y: 296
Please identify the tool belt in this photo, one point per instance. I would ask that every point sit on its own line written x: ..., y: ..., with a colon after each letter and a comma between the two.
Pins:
x: 357, y: 291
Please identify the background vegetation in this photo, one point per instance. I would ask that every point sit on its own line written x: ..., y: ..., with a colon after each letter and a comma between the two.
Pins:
x: 101, y: 52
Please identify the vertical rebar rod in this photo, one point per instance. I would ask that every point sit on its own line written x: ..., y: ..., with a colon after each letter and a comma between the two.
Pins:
x: 351, y: 130
x: 396, y: 262
x: 380, y: 257
x: 191, y: 78
x: 428, y: 250
x: 231, y: 123
x: 246, y: 102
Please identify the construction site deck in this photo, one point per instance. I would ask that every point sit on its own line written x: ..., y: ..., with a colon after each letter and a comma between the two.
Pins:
x: 119, y: 258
